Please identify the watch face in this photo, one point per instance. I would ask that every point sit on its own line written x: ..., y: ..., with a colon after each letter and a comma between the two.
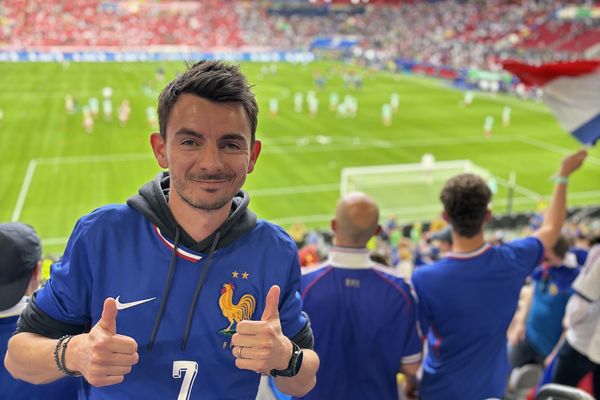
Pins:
x: 298, y: 362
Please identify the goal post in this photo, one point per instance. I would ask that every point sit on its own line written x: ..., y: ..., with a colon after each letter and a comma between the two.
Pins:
x: 410, y: 191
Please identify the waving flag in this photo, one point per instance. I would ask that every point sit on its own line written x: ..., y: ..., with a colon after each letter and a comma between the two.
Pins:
x: 571, y: 90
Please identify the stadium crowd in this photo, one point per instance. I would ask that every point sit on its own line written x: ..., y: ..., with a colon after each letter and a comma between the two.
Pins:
x: 442, y: 33
x: 84, y: 23
x: 406, y: 246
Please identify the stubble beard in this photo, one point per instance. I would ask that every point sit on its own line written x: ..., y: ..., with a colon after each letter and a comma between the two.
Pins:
x: 199, y: 204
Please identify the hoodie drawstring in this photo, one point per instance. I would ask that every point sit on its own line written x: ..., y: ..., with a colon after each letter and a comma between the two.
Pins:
x: 163, y: 303
x: 201, y: 281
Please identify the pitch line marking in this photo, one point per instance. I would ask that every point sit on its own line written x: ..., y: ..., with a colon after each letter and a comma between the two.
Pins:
x: 283, y: 149
x: 24, y: 190
x: 98, y: 158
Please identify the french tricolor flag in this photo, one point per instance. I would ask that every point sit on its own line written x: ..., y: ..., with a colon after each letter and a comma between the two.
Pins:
x: 571, y: 90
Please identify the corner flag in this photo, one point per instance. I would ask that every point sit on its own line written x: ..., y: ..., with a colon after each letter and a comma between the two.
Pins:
x: 571, y: 90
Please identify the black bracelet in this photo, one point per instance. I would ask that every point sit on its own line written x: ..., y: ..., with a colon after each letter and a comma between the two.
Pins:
x: 56, y: 350
x: 63, y: 342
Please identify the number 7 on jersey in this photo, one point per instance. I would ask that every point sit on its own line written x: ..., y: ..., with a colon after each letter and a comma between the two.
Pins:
x: 189, y: 369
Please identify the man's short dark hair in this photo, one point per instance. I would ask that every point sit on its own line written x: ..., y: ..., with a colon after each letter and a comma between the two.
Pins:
x: 465, y: 198
x: 212, y: 80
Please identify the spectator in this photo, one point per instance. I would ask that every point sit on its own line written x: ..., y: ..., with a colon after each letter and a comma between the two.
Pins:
x: 580, y: 352
x: 539, y: 327
x: 176, y: 333
x: 468, y: 298
x: 363, y: 317
x: 20, y: 268
x: 443, y: 240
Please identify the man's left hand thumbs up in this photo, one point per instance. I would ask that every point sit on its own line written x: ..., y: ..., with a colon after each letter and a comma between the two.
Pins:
x: 261, y: 345
x: 272, y: 304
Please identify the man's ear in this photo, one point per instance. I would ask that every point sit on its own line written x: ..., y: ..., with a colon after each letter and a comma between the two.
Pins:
x: 488, y: 216
x: 254, y: 153
x: 445, y: 216
x: 159, y: 148
x: 37, y: 272
x: 36, y: 278
x: 377, y: 231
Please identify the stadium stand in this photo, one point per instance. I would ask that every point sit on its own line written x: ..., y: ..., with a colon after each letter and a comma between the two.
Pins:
x: 108, y: 24
x: 456, y: 34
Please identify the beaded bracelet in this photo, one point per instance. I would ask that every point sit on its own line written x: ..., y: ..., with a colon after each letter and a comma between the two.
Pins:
x: 56, y: 350
x: 60, y: 361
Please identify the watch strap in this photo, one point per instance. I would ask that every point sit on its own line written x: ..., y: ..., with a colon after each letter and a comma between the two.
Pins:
x: 294, y: 364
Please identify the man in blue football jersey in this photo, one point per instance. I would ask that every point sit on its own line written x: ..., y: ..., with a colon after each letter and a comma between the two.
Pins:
x: 539, y: 327
x: 468, y: 298
x: 20, y: 270
x: 182, y: 293
x: 363, y: 317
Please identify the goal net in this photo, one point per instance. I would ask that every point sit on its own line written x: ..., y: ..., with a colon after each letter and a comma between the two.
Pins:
x: 409, y: 191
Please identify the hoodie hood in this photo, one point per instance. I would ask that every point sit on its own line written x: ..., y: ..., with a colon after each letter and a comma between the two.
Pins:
x: 152, y: 202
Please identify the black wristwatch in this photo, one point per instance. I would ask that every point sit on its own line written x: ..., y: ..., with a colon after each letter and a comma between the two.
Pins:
x: 294, y: 364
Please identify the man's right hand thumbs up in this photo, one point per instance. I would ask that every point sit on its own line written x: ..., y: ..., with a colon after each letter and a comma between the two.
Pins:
x: 102, y: 356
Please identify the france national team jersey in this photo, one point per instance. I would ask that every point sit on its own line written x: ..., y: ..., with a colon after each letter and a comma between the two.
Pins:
x: 116, y: 252
x: 466, y: 302
x: 365, y: 327
x: 552, y: 291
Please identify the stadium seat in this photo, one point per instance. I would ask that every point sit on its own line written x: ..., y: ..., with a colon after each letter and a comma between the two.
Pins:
x: 552, y: 391
x: 522, y: 380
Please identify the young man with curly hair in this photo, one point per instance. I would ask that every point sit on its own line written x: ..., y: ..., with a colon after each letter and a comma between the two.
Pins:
x: 468, y: 298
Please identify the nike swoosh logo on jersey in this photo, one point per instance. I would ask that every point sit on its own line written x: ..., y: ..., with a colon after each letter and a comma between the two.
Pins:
x: 122, y: 306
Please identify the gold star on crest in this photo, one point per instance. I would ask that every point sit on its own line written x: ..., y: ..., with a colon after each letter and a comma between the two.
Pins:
x: 245, y: 275
x: 235, y: 274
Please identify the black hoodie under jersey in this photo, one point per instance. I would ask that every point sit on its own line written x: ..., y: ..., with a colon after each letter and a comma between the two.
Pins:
x: 152, y: 202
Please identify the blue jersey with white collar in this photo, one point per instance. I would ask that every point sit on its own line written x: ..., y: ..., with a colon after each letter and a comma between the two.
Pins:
x: 116, y: 252
x: 466, y: 302
x: 364, y: 321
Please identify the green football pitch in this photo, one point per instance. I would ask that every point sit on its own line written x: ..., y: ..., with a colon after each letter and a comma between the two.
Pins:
x: 53, y: 171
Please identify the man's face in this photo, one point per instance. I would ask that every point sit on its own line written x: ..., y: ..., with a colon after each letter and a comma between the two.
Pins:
x: 207, y: 151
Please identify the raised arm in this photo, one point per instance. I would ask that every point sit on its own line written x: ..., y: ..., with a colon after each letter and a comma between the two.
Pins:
x: 549, y: 232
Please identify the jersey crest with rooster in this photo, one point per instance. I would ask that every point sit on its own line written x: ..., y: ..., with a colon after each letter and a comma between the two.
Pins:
x: 232, y: 311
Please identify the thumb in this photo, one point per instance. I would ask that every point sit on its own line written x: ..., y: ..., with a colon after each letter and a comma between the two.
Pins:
x: 108, y: 321
x: 272, y: 304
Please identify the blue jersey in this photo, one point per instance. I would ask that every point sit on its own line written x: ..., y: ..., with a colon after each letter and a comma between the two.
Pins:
x: 365, y: 327
x: 116, y: 252
x: 467, y: 302
x: 13, y: 389
x: 552, y: 291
